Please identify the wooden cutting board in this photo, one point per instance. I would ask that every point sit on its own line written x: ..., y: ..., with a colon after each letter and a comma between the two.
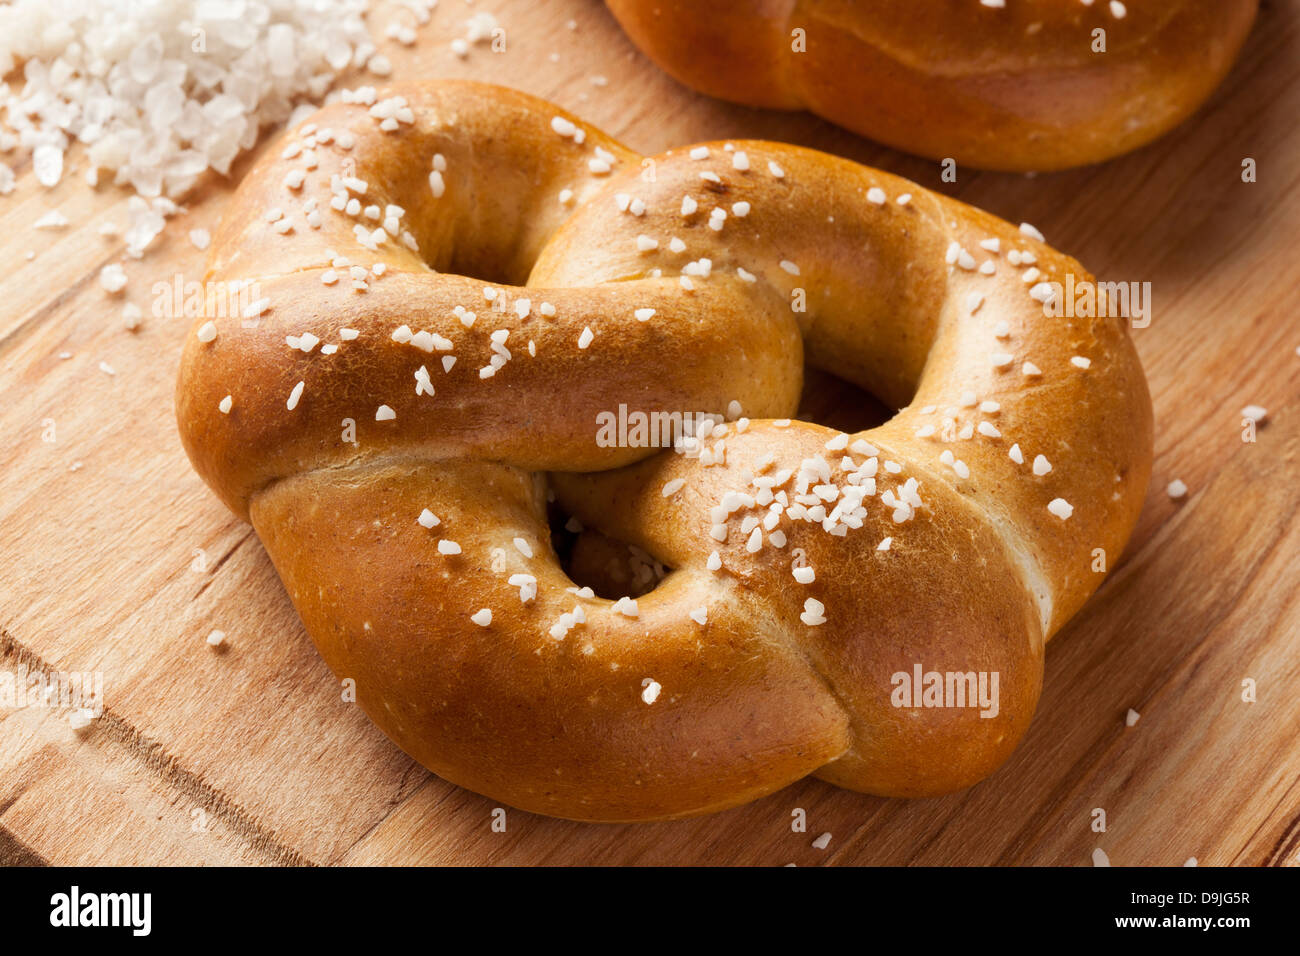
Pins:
x: 115, y: 558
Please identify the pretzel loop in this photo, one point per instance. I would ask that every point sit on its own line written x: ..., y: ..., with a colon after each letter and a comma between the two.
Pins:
x: 393, y: 430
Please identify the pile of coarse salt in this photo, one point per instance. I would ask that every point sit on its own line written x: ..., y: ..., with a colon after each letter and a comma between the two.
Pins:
x: 159, y: 91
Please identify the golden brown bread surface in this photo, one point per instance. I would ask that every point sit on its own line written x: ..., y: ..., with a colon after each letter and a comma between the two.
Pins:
x: 1021, y: 86
x: 726, y: 681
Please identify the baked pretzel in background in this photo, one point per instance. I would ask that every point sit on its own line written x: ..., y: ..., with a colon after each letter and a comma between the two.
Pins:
x: 393, y: 428
x: 1017, y: 85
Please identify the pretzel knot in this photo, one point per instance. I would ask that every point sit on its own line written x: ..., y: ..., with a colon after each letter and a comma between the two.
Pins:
x: 394, y: 428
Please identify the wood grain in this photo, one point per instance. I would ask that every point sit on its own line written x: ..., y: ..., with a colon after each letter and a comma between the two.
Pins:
x: 249, y: 755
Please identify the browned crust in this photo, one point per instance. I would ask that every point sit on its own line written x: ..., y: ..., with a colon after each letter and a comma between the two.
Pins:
x: 979, y: 577
x: 1017, y: 88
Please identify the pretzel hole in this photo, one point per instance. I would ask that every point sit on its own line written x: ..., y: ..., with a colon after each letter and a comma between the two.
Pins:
x: 610, y: 567
x: 837, y: 403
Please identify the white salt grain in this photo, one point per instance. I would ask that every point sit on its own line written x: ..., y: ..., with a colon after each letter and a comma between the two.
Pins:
x: 651, y: 692
x: 112, y: 278
x: 1061, y: 508
x: 47, y: 162
x: 51, y: 220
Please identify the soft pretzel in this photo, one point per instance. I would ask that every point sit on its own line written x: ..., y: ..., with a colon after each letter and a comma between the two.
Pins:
x: 1013, y: 84
x: 957, y: 537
